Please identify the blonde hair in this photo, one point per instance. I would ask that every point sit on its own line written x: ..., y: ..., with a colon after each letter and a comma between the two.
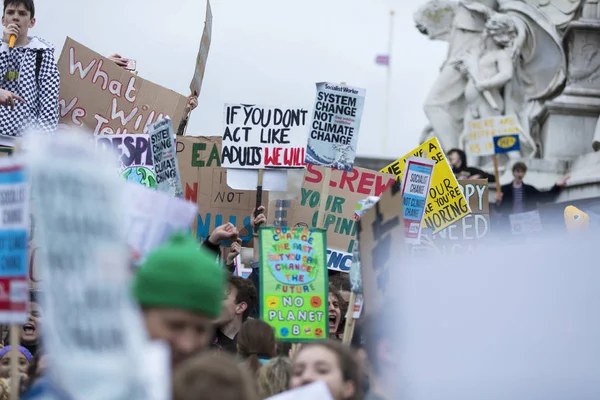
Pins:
x: 274, y: 377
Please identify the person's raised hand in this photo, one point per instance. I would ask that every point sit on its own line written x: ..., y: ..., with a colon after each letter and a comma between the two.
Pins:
x: 499, y: 196
x: 234, y: 251
x: 192, y: 102
x: 8, y: 98
x: 223, y: 232
x: 9, y: 30
x: 117, y: 59
x: 260, y: 219
x: 563, y: 181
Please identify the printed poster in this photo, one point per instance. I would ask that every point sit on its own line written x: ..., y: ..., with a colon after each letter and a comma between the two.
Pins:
x: 293, y: 283
x: 204, y: 183
x: 334, y: 128
x: 97, y: 94
x: 346, y: 189
x: 526, y: 223
x: 415, y: 191
x: 259, y: 137
x: 196, y: 84
x: 446, y: 203
x: 481, y: 133
x: 134, y: 157
x: 164, y: 158
x: 14, y: 232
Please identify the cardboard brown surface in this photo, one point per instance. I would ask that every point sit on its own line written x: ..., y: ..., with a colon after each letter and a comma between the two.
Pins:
x: 381, y: 242
x: 205, y: 182
x: 196, y: 84
x: 105, y: 98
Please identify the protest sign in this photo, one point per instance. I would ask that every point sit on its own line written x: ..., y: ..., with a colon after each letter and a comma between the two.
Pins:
x: 196, y: 84
x: 204, y: 182
x: 381, y: 242
x: 164, y: 158
x: 152, y: 217
x: 89, y: 314
x: 346, y: 189
x: 481, y: 132
x: 14, y: 227
x: 97, y: 94
x: 293, y: 283
x: 259, y: 137
x: 134, y: 157
x: 335, y: 125
x: 415, y: 190
x: 446, y: 203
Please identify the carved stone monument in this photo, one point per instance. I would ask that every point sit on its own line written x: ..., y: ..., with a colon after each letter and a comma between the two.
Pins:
x: 536, y: 59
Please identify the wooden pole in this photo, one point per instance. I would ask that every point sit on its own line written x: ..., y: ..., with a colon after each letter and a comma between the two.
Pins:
x: 14, y: 362
x: 497, y: 174
x: 350, y: 321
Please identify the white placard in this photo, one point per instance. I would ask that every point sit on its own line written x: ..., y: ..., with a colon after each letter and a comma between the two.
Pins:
x: 246, y: 179
x: 314, y: 391
x: 164, y: 158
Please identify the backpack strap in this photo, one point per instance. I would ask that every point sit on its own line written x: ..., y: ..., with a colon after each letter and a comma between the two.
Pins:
x: 38, y: 65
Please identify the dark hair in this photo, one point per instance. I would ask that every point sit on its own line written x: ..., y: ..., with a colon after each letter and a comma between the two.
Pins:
x: 256, y: 340
x: 461, y: 154
x: 519, y: 166
x: 346, y: 361
x: 245, y: 293
x: 28, y: 4
x: 340, y: 281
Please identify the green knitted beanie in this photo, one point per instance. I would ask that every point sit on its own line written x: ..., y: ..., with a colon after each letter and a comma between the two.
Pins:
x: 181, y: 275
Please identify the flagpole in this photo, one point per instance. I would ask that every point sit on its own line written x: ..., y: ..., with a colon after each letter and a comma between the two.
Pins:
x: 388, y: 86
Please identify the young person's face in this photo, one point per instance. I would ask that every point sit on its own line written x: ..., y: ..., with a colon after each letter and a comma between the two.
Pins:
x: 335, y: 314
x: 454, y: 159
x: 17, y: 14
x: 518, y: 174
x: 317, y: 363
x: 229, y: 309
x: 30, y: 331
x: 186, y: 332
x: 5, y: 365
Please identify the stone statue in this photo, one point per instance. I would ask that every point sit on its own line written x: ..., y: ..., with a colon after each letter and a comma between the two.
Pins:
x: 507, y: 50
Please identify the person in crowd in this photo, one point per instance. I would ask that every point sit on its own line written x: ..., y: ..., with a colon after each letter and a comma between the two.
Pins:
x: 25, y: 359
x: 458, y: 161
x: 31, y: 330
x: 256, y: 344
x: 341, y: 283
x: 240, y: 298
x: 234, y: 250
x: 518, y: 197
x: 331, y: 362
x: 382, y: 356
x: 213, y: 376
x: 336, y: 314
x: 274, y: 377
x: 256, y: 220
x: 180, y: 289
x: 29, y: 73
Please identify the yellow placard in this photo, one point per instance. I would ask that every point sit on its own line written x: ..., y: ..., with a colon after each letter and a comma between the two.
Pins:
x: 446, y: 204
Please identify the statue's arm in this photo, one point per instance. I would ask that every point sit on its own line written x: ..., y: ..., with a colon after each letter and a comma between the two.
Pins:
x: 504, y: 75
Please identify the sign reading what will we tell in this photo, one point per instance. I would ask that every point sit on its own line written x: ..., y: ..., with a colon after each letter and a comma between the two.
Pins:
x: 293, y: 283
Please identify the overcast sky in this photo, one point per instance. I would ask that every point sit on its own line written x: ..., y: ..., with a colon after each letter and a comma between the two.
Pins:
x: 268, y: 52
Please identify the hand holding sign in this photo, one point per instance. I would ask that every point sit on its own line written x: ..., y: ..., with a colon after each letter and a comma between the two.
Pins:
x: 226, y: 232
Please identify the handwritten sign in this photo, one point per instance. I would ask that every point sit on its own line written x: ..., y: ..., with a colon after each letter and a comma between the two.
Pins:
x: 293, y: 287
x: 14, y: 227
x: 335, y: 125
x: 97, y: 94
x: 415, y: 191
x: 446, y: 203
x: 134, y: 154
x: 346, y: 189
x: 196, y: 84
x: 204, y: 182
x: 259, y: 137
x: 164, y: 158
x: 481, y: 133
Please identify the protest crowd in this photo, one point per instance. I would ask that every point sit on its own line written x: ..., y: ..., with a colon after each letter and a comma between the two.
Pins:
x: 196, y: 282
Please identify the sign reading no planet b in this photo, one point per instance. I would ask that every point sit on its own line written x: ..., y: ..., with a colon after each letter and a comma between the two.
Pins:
x: 334, y: 128
x: 293, y: 283
x: 259, y: 137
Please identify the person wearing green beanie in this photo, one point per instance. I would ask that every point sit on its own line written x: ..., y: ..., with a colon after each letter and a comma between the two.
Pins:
x: 180, y: 288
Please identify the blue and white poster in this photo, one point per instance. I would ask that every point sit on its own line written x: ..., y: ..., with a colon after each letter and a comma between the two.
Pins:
x: 333, y: 133
x: 416, y: 183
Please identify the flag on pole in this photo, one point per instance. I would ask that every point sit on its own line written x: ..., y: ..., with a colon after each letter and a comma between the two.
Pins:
x: 382, y: 60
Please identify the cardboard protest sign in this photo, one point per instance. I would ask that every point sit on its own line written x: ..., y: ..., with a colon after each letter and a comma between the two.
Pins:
x: 204, y: 182
x: 481, y: 133
x: 333, y: 136
x: 164, y: 158
x: 153, y: 216
x: 356, y: 284
x: 89, y: 313
x: 293, y: 283
x: 346, y: 189
x: 446, y: 203
x: 415, y: 191
x: 14, y: 227
x: 196, y: 84
x: 134, y: 156
x: 381, y: 241
x: 101, y: 96
x: 259, y: 137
